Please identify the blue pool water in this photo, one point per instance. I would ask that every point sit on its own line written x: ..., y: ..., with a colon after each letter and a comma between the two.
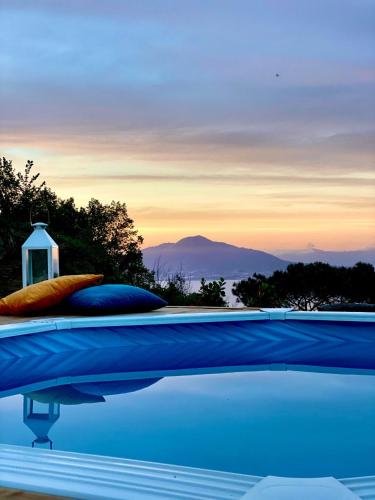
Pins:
x: 262, y: 423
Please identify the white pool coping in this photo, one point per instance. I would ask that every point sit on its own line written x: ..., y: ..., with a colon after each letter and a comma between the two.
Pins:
x: 61, y: 323
x: 99, y: 477
x: 95, y: 477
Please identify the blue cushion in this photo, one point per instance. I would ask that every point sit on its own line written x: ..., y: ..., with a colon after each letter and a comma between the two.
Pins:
x: 112, y: 299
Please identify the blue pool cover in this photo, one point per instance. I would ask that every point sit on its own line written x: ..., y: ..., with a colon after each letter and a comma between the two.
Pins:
x: 75, y: 352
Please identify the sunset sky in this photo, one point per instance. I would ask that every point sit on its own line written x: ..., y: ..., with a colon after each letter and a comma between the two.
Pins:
x: 174, y: 107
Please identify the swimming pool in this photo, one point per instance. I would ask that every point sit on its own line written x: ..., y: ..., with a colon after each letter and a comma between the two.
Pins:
x: 268, y: 393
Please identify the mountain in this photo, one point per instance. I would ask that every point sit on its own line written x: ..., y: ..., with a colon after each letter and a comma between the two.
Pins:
x: 344, y: 258
x: 197, y: 257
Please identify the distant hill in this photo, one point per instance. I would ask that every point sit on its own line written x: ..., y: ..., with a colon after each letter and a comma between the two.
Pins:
x: 345, y: 258
x: 197, y: 257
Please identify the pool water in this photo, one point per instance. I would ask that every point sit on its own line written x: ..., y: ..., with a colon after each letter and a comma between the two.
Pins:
x: 262, y: 423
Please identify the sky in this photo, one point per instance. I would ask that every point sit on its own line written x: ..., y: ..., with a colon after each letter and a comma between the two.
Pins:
x: 174, y: 107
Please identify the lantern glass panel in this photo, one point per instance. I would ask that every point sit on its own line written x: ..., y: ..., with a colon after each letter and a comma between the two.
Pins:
x: 38, y: 266
x: 55, y: 262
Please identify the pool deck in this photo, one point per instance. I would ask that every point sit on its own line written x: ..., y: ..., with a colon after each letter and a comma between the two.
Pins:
x: 9, y: 320
x: 17, y: 494
x: 20, y: 325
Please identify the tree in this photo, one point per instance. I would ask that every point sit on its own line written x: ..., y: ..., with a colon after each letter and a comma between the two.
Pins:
x: 174, y: 288
x: 360, y: 283
x: 18, y: 192
x: 256, y: 292
x: 112, y: 228
x: 308, y: 286
x: 100, y: 238
x: 212, y: 293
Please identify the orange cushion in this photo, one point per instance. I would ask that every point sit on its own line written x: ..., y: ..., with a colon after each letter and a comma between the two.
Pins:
x: 46, y: 294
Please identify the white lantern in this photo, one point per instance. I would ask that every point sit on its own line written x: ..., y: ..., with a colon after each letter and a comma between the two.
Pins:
x: 40, y: 422
x: 40, y: 256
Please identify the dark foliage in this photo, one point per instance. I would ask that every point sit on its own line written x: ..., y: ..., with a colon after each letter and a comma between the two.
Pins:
x: 256, y: 292
x: 99, y: 238
x: 175, y: 289
x: 212, y: 293
x: 309, y: 286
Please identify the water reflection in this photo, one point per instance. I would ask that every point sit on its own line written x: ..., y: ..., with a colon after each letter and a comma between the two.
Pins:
x: 41, y: 409
x: 40, y: 422
x: 262, y: 423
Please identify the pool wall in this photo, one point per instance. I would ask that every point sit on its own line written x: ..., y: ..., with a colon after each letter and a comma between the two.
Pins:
x: 36, y: 353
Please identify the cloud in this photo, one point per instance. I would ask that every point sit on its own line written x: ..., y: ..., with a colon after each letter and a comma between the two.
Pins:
x: 229, y: 179
x: 219, y: 150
